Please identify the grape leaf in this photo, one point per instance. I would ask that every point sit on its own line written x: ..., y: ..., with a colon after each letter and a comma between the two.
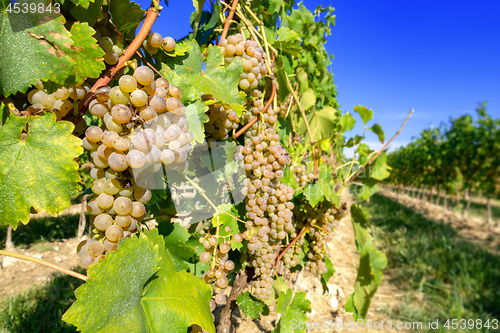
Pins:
x: 347, y: 122
x: 288, y: 178
x: 226, y: 220
x: 330, y: 270
x: 251, y: 306
x: 126, y: 15
x: 90, y: 14
x: 380, y: 170
x: 87, y: 59
x: 217, y: 80
x: 322, y: 123
x: 288, y: 41
x: 308, y: 99
x: 292, y: 308
x: 284, y: 129
x: 144, y: 295
x: 196, y: 117
x: 377, y: 129
x: 28, y: 41
x: 36, y: 169
x: 84, y: 3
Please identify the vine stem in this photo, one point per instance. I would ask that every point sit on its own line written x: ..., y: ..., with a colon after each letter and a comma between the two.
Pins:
x: 147, y: 63
x: 382, y: 149
x: 228, y: 20
x: 239, y: 285
x: 44, y: 263
x: 254, y: 119
x: 151, y: 16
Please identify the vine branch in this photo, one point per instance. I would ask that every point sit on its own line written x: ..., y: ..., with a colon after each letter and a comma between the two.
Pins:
x: 240, y: 284
x: 44, y: 263
x: 228, y: 20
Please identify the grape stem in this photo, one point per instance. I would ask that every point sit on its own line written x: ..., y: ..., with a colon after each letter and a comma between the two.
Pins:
x: 228, y: 20
x: 349, y: 180
x: 106, y: 77
x: 147, y: 63
x: 10, y: 105
x: 44, y: 263
x: 254, y: 119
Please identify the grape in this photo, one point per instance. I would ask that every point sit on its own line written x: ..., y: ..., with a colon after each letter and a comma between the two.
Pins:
x: 77, y: 92
x: 111, y: 186
x: 244, y: 84
x: 103, y: 221
x: 158, y: 104
x: 220, y: 299
x: 99, y: 109
x: 167, y: 157
x: 222, y: 282
x: 96, y: 173
x: 110, y: 246
x: 98, y: 161
x: 86, y: 260
x: 144, y: 75
x: 149, y: 49
x: 123, y: 221
x: 148, y: 114
x: 229, y: 265
x: 121, y: 144
x: 237, y: 238
x: 105, y: 200
x: 139, y: 98
x: 102, y: 94
x: 93, y: 134
x: 110, y: 57
x: 121, y: 113
x: 205, y: 257
x: 117, y: 96
x: 118, y: 161
x: 109, y: 137
x: 142, y: 141
x: 136, y: 159
x: 89, y: 145
x: 127, y: 83
x: 106, y: 43
x: 224, y: 248
x: 168, y: 44
x: 97, y: 186
x: 114, y: 233
x: 122, y: 206
x: 173, y: 103
x: 174, y: 91
x: 104, y: 152
x: 155, y: 39
x: 162, y: 83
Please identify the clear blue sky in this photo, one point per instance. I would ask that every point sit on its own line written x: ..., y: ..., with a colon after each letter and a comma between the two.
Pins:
x: 437, y: 57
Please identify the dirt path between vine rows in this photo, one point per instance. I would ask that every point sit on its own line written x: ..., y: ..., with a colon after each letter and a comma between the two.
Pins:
x: 18, y: 276
x: 472, y: 229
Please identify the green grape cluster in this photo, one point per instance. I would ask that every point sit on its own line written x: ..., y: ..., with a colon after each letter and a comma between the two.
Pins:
x: 221, y: 120
x: 235, y: 47
x: 220, y: 267
x: 144, y: 130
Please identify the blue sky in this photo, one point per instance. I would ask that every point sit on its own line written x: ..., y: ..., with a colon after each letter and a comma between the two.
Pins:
x: 440, y: 58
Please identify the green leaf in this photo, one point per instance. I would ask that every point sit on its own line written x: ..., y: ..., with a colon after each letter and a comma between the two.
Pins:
x: 179, y: 50
x: 37, y: 169
x: 292, y: 308
x: 27, y: 42
x: 87, y: 58
x: 288, y: 178
x: 314, y: 193
x: 308, y: 99
x: 126, y: 15
x: 198, y: 10
x: 175, y: 237
x: 84, y: 3
x: 125, y: 292
x: 217, y: 80
x: 347, y: 122
x: 377, y: 129
x: 90, y: 14
x: 251, y: 306
x: 196, y: 117
x: 365, y: 113
x: 226, y: 220
x: 283, y: 90
x: 364, y: 288
x: 379, y: 170
x: 330, y: 270
x: 360, y: 224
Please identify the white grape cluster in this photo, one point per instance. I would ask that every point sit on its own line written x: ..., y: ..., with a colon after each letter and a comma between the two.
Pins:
x: 268, y: 201
x: 144, y: 129
x: 300, y: 174
x: 285, y: 106
x: 61, y: 102
x: 109, y: 44
x: 221, y: 120
x: 155, y: 41
x: 235, y: 47
x: 220, y: 264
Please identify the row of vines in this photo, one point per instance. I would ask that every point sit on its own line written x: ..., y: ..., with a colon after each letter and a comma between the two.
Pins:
x: 458, y: 158
x: 242, y: 111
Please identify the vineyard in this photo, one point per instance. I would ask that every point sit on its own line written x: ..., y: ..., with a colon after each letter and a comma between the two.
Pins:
x: 202, y: 184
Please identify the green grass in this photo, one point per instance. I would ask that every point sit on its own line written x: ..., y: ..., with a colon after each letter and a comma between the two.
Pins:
x: 41, y: 308
x: 443, y: 275
x: 42, y: 230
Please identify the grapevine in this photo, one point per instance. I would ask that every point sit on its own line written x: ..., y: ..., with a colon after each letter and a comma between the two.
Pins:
x: 234, y: 112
